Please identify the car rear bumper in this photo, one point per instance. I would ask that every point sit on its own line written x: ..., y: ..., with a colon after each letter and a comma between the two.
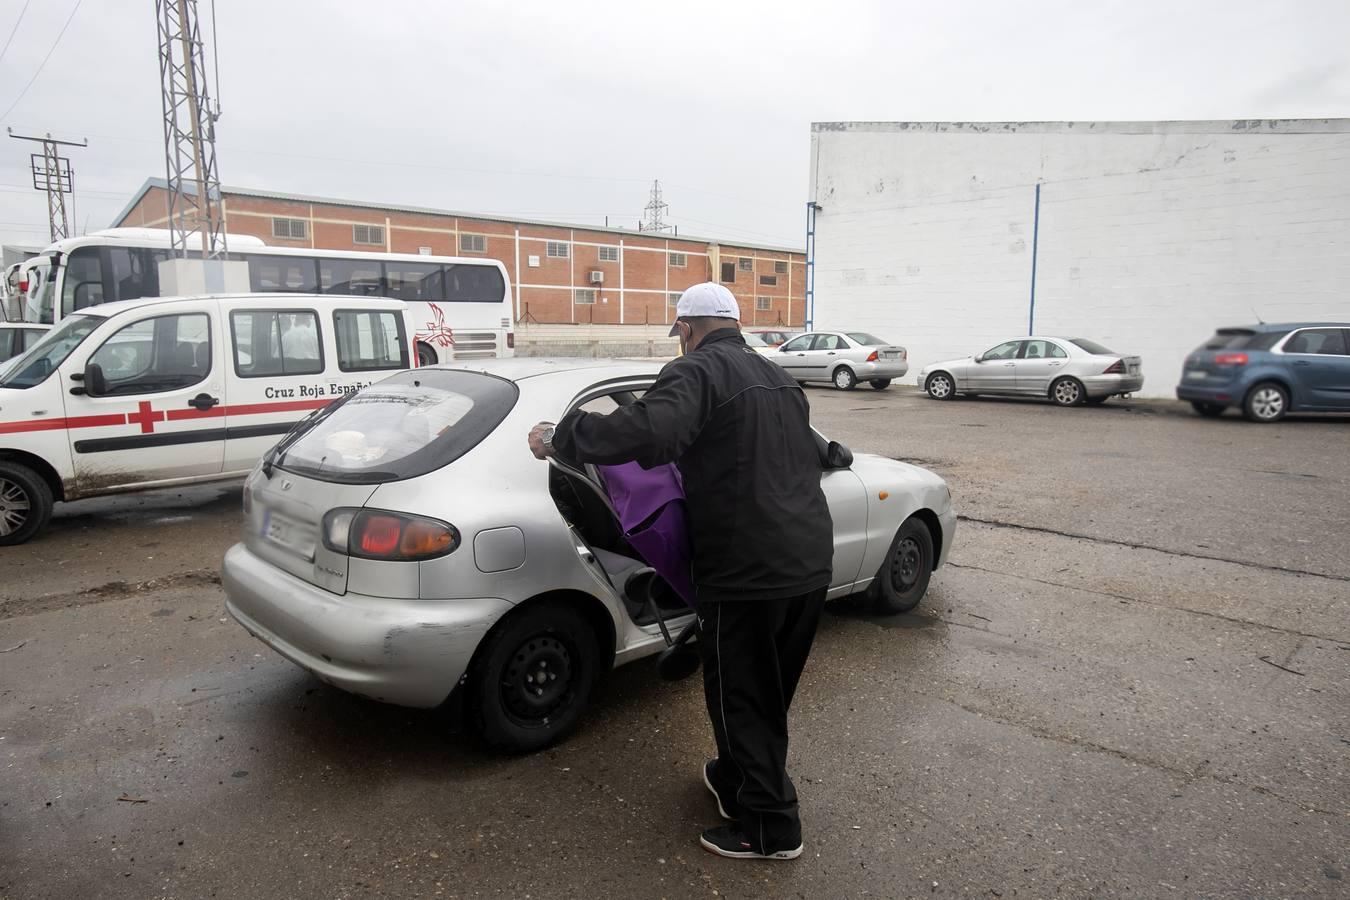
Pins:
x: 892, y: 369
x: 1107, y: 385
x: 1221, y: 394
x: 406, y: 652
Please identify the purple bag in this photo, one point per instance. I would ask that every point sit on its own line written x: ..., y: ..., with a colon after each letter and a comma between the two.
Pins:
x: 650, y: 506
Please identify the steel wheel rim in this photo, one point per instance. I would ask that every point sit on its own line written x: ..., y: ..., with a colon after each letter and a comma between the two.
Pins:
x: 15, y: 506
x: 841, y: 378
x: 1267, y: 403
x: 537, y: 681
x: 906, y: 564
x: 939, y: 386
x: 1066, y: 392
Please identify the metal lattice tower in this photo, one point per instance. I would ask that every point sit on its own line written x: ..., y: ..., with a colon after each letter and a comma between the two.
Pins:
x: 654, y: 210
x: 196, y: 216
x: 52, y: 173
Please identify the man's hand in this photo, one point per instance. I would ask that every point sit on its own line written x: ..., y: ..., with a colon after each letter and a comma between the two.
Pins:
x: 541, y: 440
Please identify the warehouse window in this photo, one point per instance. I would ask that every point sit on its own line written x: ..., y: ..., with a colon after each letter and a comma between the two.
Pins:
x: 290, y: 229
x: 557, y: 249
x: 728, y: 272
x: 583, y: 296
x: 673, y: 299
x: 368, y: 234
x: 678, y: 260
x: 763, y: 303
x: 609, y: 254
x: 769, y: 280
x: 780, y: 267
x: 472, y: 243
x: 746, y: 264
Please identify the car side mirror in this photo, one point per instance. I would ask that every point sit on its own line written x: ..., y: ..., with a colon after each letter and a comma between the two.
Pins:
x: 95, y: 385
x: 837, y: 456
x: 979, y: 357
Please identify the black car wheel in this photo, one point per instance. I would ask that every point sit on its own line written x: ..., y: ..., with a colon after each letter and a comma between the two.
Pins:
x: 844, y: 379
x: 1266, y: 402
x: 1068, y: 392
x: 880, y: 384
x: 903, y: 578
x: 426, y: 355
x: 1208, y: 410
x: 25, y: 503
x: 940, y: 386
x: 532, y: 678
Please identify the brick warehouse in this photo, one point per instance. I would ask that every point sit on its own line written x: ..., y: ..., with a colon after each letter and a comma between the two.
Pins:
x: 641, y: 274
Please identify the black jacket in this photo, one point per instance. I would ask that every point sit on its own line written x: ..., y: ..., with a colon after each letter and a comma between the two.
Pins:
x: 738, y: 427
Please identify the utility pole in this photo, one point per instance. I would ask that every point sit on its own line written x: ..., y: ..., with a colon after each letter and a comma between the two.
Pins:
x: 655, y: 209
x: 52, y: 173
x: 196, y: 216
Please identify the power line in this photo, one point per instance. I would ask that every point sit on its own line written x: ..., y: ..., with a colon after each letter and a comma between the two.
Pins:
x: 44, y: 60
x: 16, y: 29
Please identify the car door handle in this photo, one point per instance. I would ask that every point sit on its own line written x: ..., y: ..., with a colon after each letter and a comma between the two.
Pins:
x: 1052, y: 365
x: 1303, y: 362
x: 1010, y: 364
x: 203, y: 402
x: 801, y: 354
x: 831, y: 353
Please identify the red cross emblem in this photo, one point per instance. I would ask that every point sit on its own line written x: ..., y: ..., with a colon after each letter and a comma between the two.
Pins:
x: 145, y: 417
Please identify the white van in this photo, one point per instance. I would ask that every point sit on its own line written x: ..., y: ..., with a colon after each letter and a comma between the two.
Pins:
x: 150, y: 393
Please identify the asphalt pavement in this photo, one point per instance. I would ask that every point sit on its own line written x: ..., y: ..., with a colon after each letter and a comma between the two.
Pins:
x: 1132, y: 680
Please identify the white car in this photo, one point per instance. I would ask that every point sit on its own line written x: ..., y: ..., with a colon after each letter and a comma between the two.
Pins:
x: 843, y: 358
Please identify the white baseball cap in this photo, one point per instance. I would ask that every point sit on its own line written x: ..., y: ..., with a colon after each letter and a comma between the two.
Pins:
x: 706, y: 299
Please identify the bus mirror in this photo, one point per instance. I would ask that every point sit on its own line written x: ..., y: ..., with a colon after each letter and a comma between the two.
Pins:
x: 95, y: 385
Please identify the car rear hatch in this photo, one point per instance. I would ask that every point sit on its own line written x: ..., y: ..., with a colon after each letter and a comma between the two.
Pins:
x: 404, y: 427
x: 1221, y: 358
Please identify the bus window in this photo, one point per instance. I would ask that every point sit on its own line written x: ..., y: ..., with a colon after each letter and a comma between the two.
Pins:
x: 351, y: 276
x: 474, y: 284
x: 414, y: 281
x: 290, y: 274
x: 83, y: 285
x: 133, y: 274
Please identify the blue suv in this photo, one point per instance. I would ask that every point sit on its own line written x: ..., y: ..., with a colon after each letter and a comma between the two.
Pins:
x: 1270, y: 370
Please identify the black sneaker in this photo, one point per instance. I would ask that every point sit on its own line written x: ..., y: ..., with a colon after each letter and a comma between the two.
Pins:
x: 731, y: 842
x: 707, y: 779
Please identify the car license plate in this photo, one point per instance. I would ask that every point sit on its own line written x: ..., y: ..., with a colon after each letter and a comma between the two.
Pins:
x: 890, y: 354
x: 1196, y: 374
x: 1134, y: 370
x: 286, y: 532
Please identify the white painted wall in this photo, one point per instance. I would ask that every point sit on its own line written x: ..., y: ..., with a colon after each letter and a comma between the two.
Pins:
x: 1151, y: 234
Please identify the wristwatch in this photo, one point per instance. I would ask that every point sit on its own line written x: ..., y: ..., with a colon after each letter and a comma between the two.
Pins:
x: 546, y: 438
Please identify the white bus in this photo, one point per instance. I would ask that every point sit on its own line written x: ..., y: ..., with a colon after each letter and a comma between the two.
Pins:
x: 461, y: 307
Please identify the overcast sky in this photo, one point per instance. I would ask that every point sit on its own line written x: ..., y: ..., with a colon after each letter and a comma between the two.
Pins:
x: 567, y: 110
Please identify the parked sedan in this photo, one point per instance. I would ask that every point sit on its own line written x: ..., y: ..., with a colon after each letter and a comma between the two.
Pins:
x: 774, y: 337
x: 756, y: 341
x: 1270, y: 370
x: 404, y: 544
x: 843, y: 358
x: 1068, y: 371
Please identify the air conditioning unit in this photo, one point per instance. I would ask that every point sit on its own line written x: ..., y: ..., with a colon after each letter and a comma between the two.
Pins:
x: 597, y: 278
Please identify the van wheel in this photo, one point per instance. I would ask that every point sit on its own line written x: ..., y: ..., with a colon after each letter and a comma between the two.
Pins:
x: 25, y: 503
x: 532, y: 678
x: 903, y: 578
x: 1267, y: 402
x: 426, y: 355
x: 1208, y: 410
x: 880, y: 384
x: 844, y: 379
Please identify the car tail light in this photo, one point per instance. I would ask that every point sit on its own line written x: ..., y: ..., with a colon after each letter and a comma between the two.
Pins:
x: 378, y: 534
x: 510, y: 340
x: 904, y: 354
x: 23, y: 286
x: 872, y: 357
x: 1230, y: 359
x: 1116, y: 368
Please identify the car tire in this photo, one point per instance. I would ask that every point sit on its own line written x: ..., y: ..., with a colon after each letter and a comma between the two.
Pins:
x: 1068, y: 392
x: 940, y: 386
x: 880, y: 384
x: 426, y: 355
x: 25, y: 503
x: 844, y: 379
x: 1208, y: 410
x: 1266, y: 402
x: 532, y: 678
x: 902, y: 580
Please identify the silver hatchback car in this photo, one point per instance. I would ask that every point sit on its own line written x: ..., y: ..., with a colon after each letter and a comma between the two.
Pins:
x: 843, y: 358
x: 404, y: 544
x: 1067, y: 371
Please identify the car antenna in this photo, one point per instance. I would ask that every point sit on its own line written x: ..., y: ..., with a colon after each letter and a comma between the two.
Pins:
x: 1259, y: 320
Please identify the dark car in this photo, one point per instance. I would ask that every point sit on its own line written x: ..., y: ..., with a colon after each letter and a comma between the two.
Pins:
x: 1270, y: 370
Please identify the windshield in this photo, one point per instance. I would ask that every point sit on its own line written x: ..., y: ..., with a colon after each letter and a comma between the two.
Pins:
x: 407, y: 425
x: 1092, y: 347
x: 865, y: 339
x: 34, y: 366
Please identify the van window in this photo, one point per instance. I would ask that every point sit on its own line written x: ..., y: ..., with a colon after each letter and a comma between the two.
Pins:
x: 283, y: 274
x: 350, y: 276
x: 276, y: 342
x: 370, y: 340
x: 160, y: 354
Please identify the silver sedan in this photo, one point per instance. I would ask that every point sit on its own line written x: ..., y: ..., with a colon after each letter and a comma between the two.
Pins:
x: 843, y: 358
x: 404, y: 544
x: 1067, y: 371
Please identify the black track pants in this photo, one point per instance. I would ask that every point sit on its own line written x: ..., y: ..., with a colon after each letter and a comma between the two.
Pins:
x: 753, y: 655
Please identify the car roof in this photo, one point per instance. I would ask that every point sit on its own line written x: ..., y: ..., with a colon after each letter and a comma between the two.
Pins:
x: 323, y: 301
x: 1284, y: 326
x: 520, y: 368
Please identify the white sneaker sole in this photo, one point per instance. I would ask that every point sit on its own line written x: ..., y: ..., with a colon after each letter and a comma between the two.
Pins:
x: 716, y: 797
x: 749, y: 854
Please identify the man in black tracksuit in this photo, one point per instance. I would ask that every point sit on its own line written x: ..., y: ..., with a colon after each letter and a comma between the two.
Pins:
x: 738, y: 427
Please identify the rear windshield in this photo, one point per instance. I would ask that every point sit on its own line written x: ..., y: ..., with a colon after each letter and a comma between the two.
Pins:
x: 1242, y: 339
x: 407, y: 425
x: 867, y: 340
x: 1092, y: 347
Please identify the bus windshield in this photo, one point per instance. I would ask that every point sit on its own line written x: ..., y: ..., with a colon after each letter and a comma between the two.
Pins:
x: 41, y: 361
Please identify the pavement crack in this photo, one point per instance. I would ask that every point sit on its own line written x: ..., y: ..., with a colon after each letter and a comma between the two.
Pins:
x: 1134, y: 545
x: 12, y: 607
